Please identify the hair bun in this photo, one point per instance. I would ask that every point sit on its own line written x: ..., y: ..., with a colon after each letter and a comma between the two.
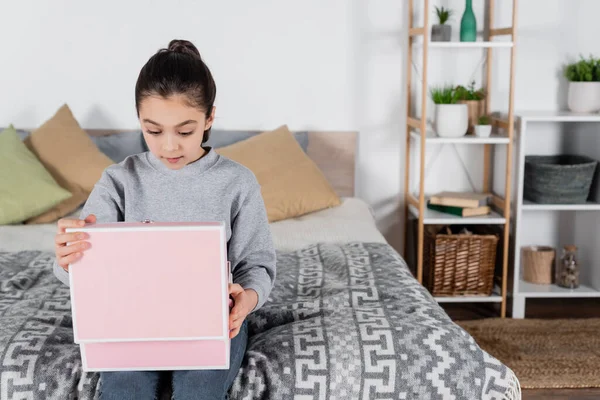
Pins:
x: 185, y: 47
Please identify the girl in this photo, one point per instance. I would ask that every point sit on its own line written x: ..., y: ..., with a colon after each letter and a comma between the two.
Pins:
x: 179, y: 179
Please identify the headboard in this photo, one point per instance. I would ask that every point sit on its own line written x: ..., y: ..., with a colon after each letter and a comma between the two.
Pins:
x: 334, y: 152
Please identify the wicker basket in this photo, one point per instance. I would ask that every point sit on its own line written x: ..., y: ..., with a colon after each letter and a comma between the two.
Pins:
x: 562, y: 179
x: 459, y: 264
x: 537, y: 264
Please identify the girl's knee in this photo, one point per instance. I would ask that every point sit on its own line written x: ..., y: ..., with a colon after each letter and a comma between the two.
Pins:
x: 200, y: 384
x: 128, y: 385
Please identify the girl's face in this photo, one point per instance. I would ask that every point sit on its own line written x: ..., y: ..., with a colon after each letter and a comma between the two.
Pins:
x: 173, y: 129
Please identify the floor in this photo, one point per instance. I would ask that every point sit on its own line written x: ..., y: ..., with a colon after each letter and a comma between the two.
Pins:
x: 539, y: 308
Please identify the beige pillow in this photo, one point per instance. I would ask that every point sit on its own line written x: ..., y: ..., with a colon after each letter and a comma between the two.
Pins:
x: 71, y: 157
x: 291, y: 183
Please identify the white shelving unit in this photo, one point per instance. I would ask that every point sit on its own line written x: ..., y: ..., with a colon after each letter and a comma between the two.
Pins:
x: 432, y: 137
x: 433, y: 217
x: 523, y: 290
x: 589, y: 206
x: 468, y: 45
x: 496, y: 297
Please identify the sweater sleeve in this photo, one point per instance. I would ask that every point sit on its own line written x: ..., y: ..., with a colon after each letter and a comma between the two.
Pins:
x: 106, y: 203
x: 251, y: 250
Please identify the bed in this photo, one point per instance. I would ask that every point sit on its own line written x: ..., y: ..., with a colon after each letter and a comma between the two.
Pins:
x: 345, y: 320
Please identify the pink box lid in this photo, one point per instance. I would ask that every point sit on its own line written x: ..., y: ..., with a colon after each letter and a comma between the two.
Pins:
x: 151, y: 281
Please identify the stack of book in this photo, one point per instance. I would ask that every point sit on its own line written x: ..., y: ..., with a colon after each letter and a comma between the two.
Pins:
x: 462, y: 204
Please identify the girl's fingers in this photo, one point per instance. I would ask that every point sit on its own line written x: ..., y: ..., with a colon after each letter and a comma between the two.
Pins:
x: 236, y: 314
x: 70, y: 259
x: 235, y: 289
x: 65, y: 223
x: 72, y: 248
x: 63, y: 238
x: 234, y: 324
x: 234, y: 333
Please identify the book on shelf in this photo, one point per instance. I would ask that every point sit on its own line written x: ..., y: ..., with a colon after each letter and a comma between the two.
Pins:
x: 460, y: 211
x: 461, y: 199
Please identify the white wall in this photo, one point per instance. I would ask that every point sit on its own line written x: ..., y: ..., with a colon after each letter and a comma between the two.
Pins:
x: 311, y: 64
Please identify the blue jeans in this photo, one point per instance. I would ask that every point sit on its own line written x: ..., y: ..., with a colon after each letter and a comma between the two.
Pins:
x: 195, y: 384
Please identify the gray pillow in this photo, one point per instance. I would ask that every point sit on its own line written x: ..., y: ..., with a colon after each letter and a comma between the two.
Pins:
x: 117, y: 147
x: 22, y: 134
x: 121, y: 145
x: 221, y: 138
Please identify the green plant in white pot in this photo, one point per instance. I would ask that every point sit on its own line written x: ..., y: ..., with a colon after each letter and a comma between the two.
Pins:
x: 584, y: 85
x: 442, y: 32
x: 483, y: 128
x: 474, y: 99
x: 451, y: 118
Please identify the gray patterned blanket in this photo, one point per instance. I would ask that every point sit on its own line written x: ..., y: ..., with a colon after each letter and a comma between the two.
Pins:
x: 343, y: 322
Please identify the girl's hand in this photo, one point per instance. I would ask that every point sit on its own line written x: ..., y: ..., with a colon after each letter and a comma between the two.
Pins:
x: 244, y: 301
x: 66, y: 255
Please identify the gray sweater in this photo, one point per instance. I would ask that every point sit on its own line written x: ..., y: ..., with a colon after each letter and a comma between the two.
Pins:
x: 213, y: 188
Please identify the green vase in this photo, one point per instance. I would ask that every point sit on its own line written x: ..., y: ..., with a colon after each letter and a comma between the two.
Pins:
x: 468, y: 24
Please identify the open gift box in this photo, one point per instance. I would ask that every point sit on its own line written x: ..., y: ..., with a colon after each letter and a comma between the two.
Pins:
x: 152, y: 296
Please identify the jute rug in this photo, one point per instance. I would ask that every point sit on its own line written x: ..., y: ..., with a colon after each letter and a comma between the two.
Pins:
x: 543, y: 353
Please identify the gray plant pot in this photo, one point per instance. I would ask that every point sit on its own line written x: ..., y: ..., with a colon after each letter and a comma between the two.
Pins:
x: 441, y: 33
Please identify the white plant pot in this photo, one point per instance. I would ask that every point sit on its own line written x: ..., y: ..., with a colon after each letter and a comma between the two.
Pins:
x: 483, y: 130
x: 451, y: 120
x: 584, y: 97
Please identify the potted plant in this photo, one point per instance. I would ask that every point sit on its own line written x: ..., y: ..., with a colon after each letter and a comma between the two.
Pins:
x: 441, y: 32
x: 584, y: 85
x: 483, y: 128
x: 451, y: 118
x: 474, y: 99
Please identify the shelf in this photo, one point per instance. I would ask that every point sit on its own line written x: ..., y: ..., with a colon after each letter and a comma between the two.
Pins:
x: 494, y: 298
x: 466, y: 45
x: 420, y: 133
x: 527, y: 289
x: 589, y: 206
x: 432, y: 137
x: 558, y: 116
x: 433, y: 217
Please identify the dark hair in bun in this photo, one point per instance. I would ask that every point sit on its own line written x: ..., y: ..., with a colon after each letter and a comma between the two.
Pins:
x: 178, y: 69
x: 185, y: 47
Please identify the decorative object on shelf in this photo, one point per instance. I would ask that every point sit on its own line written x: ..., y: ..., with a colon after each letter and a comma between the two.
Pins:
x: 559, y: 179
x: 468, y: 24
x: 584, y: 85
x: 483, y: 127
x: 442, y: 32
x: 460, y: 211
x: 459, y: 262
x: 451, y: 119
x: 461, y: 199
x: 474, y: 99
x: 567, y: 273
x: 538, y: 263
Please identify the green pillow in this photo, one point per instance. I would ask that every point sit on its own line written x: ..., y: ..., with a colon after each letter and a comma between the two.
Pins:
x: 26, y: 188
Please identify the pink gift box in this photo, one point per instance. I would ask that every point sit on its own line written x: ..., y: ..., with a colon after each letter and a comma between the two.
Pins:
x: 152, y: 296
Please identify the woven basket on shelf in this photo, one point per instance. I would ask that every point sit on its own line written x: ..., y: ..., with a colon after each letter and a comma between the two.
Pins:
x: 561, y: 179
x: 459, y: 264
x: 537, y: 264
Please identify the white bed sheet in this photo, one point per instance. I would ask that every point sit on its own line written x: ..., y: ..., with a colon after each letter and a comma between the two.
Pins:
x: 351, y: 221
